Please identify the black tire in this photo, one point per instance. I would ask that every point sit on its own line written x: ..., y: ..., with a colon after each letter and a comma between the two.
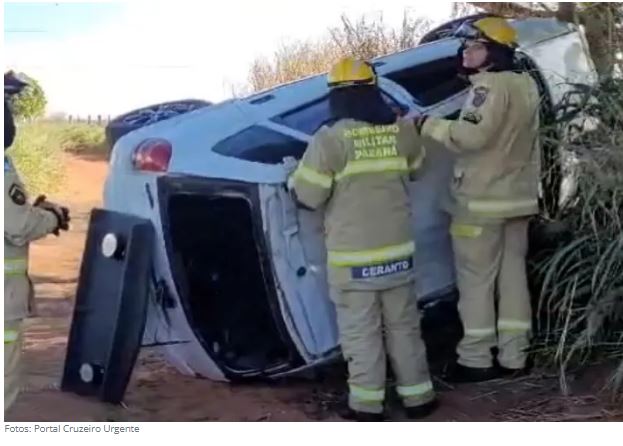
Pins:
x: 142, y: 117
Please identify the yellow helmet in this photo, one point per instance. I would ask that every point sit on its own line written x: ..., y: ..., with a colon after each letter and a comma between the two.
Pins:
x: 494, y: 29
x: 349, y: 72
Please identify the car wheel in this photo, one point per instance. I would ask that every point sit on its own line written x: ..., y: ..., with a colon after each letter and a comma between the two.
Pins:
x: 142, y: 117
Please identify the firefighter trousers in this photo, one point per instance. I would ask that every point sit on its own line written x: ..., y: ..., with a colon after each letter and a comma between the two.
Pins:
x: 371, y: 322
x: 12, y: 361
x: 491, y: 269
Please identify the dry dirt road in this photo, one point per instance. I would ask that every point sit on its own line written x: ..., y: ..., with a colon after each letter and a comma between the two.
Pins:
x: 159, y: 393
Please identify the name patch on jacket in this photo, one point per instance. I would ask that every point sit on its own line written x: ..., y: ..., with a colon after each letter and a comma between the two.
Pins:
x: 384, y: 269
x: 472, y: 117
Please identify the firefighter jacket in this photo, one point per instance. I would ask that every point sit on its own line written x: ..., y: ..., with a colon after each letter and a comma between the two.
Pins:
x: 496, y: 174
x: 23, y: 223
x: 361, y: 172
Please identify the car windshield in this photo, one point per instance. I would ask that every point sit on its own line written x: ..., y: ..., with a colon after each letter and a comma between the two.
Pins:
x: 261, y: 145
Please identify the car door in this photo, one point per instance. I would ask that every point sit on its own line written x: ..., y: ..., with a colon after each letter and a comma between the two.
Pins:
x: 111, y: 306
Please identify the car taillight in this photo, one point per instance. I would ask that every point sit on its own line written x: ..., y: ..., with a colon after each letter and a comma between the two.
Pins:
x: 152, y: 155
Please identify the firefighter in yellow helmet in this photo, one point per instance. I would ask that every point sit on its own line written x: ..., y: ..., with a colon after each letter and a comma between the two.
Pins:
x: 23, y: 223
x: 357, y: 168
x: 494, y: 193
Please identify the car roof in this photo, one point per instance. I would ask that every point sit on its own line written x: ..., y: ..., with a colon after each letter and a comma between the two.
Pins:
x: 285, y: 97
x: 280, y: 99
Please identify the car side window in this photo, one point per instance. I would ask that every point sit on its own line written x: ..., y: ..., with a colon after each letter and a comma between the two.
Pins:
x: 310, y: 117
x: 431, y: 82
x: 261, y: 145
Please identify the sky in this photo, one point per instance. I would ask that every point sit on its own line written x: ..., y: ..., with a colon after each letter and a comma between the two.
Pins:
x: 111, y: 57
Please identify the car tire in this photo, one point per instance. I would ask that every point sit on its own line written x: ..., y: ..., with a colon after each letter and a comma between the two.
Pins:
x: 141, y: 117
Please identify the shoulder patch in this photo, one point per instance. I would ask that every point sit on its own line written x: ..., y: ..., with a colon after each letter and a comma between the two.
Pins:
x: 17, y: 195
x: 480, y: 96
x: 472, y: 117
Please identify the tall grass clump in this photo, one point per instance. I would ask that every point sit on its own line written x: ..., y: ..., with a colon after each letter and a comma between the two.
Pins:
x: 40, y: 147
x: 580, y: 311
x: 37, y: 155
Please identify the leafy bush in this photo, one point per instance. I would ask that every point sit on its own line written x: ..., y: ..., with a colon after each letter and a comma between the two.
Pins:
x: 30, y: 103
x: 83, y: 139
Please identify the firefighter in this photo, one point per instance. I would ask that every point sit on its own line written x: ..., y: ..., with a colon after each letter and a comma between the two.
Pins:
x: 23, y: 223
x: 358, y: 169
x: 494, y: 193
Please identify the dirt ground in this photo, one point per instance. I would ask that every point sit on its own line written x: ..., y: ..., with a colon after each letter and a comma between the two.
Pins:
x: 159, y: 393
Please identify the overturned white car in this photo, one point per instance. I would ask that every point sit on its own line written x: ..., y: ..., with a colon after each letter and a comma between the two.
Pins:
x: 201, y: 251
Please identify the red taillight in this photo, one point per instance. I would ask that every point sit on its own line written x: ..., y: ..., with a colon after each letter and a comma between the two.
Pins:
x: 152, y: 155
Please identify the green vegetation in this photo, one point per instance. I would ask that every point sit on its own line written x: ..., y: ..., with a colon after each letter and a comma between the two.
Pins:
x: 30, y: 103
x: 581, y: 279
x: 40, y: 147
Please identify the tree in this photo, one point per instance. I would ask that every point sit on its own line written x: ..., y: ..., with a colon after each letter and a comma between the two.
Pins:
x: 31, y: 102
x: 602, y: 21
x: 365, y: 38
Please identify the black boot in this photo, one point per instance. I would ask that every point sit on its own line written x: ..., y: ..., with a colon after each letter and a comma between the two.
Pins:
x: 463, y: 374
x: 354, y: 415
x: 417, y: 412
x: 513, y: 373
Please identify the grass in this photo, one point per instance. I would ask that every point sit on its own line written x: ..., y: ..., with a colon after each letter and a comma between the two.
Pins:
x: 580, y: 311
x: 40, y: 147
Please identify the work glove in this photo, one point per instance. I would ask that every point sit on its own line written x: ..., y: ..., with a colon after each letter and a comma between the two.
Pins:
x: 418, y: 121
x: 60, y: 212
x: 290, y: 164
x: 290, y: 183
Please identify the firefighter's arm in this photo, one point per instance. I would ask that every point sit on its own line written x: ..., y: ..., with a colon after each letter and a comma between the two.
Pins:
x: 416, y: 154
x: 486, y: 105
x: 312, y: 181
x: 23, y: 222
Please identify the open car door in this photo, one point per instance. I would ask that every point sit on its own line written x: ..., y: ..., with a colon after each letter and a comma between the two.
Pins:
x: 111, y: 306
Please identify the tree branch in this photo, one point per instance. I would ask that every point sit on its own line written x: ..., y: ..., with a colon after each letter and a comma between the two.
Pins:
x: 511, y: 9
x: 566, y: 12
x: 545, y: 6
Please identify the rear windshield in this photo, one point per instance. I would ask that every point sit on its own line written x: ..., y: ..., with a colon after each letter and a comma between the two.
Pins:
x: 310, y: 117
x: 261, y: 145
x: 431, y: 82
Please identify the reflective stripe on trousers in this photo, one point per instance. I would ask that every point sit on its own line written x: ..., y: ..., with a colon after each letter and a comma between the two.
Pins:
x: 504, y: 326
x: 371, y: 256
x: 13, y: 267
x: 510, y: 325
x: 502, y: 207
x: 416, y: 390
x: 367, y: 395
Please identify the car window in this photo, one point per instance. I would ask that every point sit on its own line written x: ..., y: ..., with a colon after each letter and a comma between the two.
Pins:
x: 261, y: 145
x: 431, y: 82
x: 310, y: 117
